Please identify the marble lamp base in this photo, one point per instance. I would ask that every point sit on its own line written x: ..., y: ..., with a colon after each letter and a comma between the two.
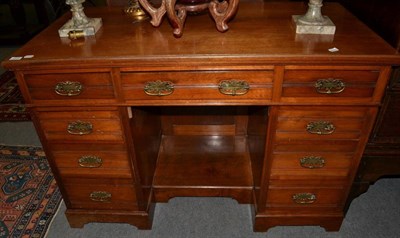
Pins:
x: 326, y: 28
x: 88, y: 29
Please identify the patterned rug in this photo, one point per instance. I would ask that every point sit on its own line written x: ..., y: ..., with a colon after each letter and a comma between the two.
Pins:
x: 11, y: 102
x: 29, y: 196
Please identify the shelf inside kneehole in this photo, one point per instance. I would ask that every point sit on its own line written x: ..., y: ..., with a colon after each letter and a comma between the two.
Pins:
x: 203, y: 149
x: 189, y: 161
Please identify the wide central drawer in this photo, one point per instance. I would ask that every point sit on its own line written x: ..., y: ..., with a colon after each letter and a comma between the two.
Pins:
x: 198, y: 85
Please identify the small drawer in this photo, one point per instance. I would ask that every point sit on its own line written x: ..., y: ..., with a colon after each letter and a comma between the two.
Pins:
x: 199, y: 85
x: 320, y: 123
x: 101, y: 194
x: 305, y: 196
x: 81, y: 125
x: 70, y: 86
x: 310, y: 165
x: 329, y: 83
x: 90, y: 163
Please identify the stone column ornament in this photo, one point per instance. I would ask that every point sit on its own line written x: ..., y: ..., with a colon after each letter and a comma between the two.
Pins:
x: 79, y: 25
x: 313, y: 22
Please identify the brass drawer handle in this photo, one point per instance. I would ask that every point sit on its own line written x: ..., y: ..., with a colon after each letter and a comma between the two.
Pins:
x: 159, y: 88
x: 312, y: 162
x: 68, y: 88
x: 304, y: 198
x: 90, y: 161
x: 320, y: 127
x: 100, y: 196
x: 233, y: 87
x: 329, y: 86
x: 80, y: 128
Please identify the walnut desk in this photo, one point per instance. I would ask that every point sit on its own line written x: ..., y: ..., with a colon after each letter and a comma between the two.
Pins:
x: 133, y: 116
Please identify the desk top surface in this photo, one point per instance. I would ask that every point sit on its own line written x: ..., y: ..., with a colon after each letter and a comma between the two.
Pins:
x: 259, y: 33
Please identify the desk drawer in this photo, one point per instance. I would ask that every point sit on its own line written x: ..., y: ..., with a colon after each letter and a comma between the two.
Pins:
x: 305, y: 197
x: 70, y: 86
x: 81, y: 125
x: 320, y: 123
x: 198, y: 85
x: 329, y: 83
x: 102, y: 194
x: 75, y: 162
x: 311, y: 165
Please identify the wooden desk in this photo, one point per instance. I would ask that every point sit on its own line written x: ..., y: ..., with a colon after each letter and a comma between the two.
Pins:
x: 150, y: 117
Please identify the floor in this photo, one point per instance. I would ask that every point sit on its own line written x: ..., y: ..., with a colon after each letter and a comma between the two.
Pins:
x: 16, y: 133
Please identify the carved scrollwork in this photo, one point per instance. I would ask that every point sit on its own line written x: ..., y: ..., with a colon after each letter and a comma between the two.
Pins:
x: 177, y: 17
x: 155, y: 13
x: 222, y: 12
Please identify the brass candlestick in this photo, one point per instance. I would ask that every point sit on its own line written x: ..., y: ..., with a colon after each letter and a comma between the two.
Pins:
x: 135, y: 11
